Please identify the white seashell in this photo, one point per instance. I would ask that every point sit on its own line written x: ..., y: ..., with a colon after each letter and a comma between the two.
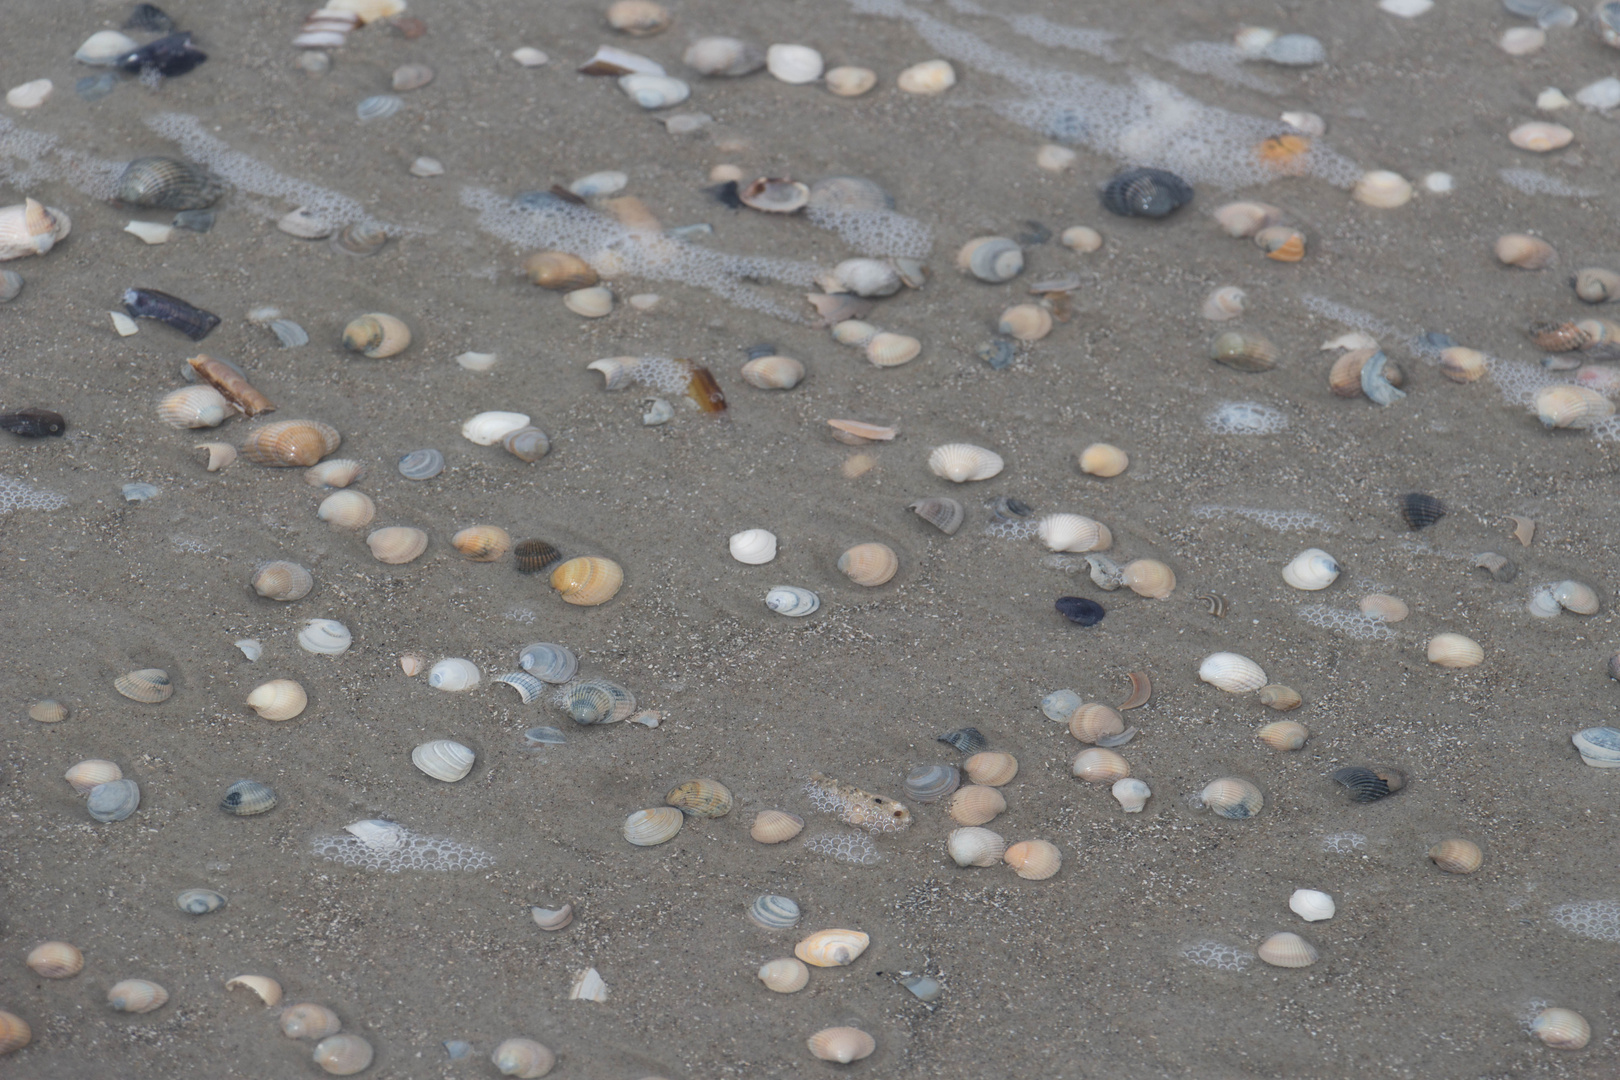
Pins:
x: 723, y: 56
x: 1233, y: 673
x: 1132, y: 794
x: 599, y: 183
x: 454, y: 674
x: 592, y: 303
x: 785, y: 976
x: 964, y: 462
x: 854, y: 332
x: 1552, y: 99
x: 974, y: 846
x: 104, y: 47
x: 150, y: 232
x: 194, y: 407
x: 1541, y: 137
x: 1287, y: 950
x: 426, y: 167
x: 489, y: 428
x: 1054, y: 158
x: 1455, y: 651
x: 841, y: 1044
x: 792, y: 601
x: 1382, y: 189
x: 267, y: 989
x: 30, y: 95
x: 89, y: 774
x: 476, y: 361
x: 552, y: 919
x: 1543, y: 604
x: 377, y: 834
x: 1576, y: 597
x: 136, y: 996
x: 1311, y: 570
x: 304, y: 225
x: 1576, y: 407
x: 1522, y: 41
x: 794, y: 64
x: 891, y: 350
x: 1561, y: 1029
x: 928, y: 77
x: 867, y: 277
x: 1312, y: 905
x: 1306, y: 123
x: 325, y: 637
x: 347, y: 509
x: 655, y: 91
x: 1081, y: 238
x: 522, y: 1058
x: 773, y: 372
x: 1226, y: 302
x: 528, y: 56
x: 588, y: 986
x: 753, y: 547
x: 443, y: 759
x: 1071, y: 532
x: 1602, y: 95
x: 123, y: 324
x: 334, y: 472
x: 278, y: 699
x: 31, y: 229
x: 654, y: 826
x: 250, y: 648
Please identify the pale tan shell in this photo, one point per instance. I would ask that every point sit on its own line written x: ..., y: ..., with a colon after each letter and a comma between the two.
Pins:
x: 1577, y: 597
x: 220, y: 455
x: 288, y: 443
x: 928, y: 77
x: 1577, y: 407
x: 891, y: 350
x: 587, y: 581
x: 1595, y: 284
x: 1344, y: 377
x: 854, y: 332
x: 343, y: 1055
x: 858, y: 433
x: 1525, y: 251
x: 397, y: 544
x: 482, y: 543
x: 1224, y: 303
x: 993, y: 259
x: 974, y: 846
x: 87, y: 774
x: 1094, y: 721
x: 1287, y: 950
x: 964, y: 462
x: 1246, y: 218
x: 412, y: 664
x: 278, y: 699
x: 309, y: 1021
x: 1541, y: 137
x: 1103, y: 459
x: 638, y: 18
x: 653, y: 826
x: 1280, y: 697
x: 1388, y: 608
x: 1455, y: 651
x: 1081, y: 238
x: 1561, y: 1029
x: 282, y: 580
x: 991, y: 767
x: 148, y: 685
x: 55, y: 960
x: 14, y: 1032
x: 841, y: 1044
x: 347, y: 509
x: 870, y: 565
x: 136, y: 996
x: 1232, y: 797
x: 1034, y: 860
x: 1457, y: 856
x: 1100, y: 766
x: 1150, y: 578
x: 1382, y: 189
x: 1026, y: 322
x: 1283, y: 734
x: 591, y: 303
x: 1281, y: 243
x: 197, y: 406
x: 700, y: 798
x: 785, y: 976
x: 336, y: 472
x: 832, y: 948
x: 773, y: 372
x: 267, y: 989
x: 48, y: 711
x: 522, y: 1058
x: 775, y: 826
x: 559, y: 271
x: 377, y: 335
x: 850, y: 81
x: 1232, y: 672
x: 975, y: 804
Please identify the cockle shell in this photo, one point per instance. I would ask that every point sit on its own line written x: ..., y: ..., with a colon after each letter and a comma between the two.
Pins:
x: 773, y: 372
x: 396, y: 544
x: 891, y: 350
x: 91, y: 773
x: 975, y: 804
x: 1450, y: 650
x: 753, y: 547
x: 136, y: 996
x: 723, y: 56
x: 528, y: 687
x: 1025, y: 322
x: 267, y: 989
x: 587, y: 581
x: 1462, y: 365
x: 347, y: 509
x: 1576, y: 597
x: 964, y: 462
x: 453, y: 674
x: 1561, y: 1029
x: 928, y: 77
x: 1034, y: 860
x: 1232, y: 798
x: 1287, y: 950
x: 377, y: 336
x: 55, y: 960
x: 343, y: 1055
x: 854, y: 332
x: 194, y: 407
x: 654, y: 826
x: 199, y: 901
x: 14, y: 1032
x: 148, y: 685
x: 1072, y: 532
x: 114, y: 800
x: 1099, y: 766
x: 841, y: 1044
x: 1564, y: 406
x: 282, y: 580
x: 1382, y: 189
x: 991, y: 258
x: 48, y: 711
x: 1457, y: 856
x: 288, y: 443
x: 1312, y: 905
x: 870, y: 565
x: 792, y: 601
x: 1094, y: 721
x: 278, y: 699
x: 482, y: 543
x: 309, y: 1021
x: 1525, y: 251
x: 991, y: 767
x: 489, y: 428
x: 1103, y: 459
x: 1596, y: 285
x: 443, y: 759
x: 1311, y: 570
x: 325, y: 637
x: 850, y: 81
x: 534, y: 555
x: 944, y: 514
x: 1132, y: 794
x: 1150, y: 578
x: 785, y: 976
x: 334, y: 473
x: 248, y: 798
x: 1231, y: 672
x: 597, y: 701
x: 775, y: 826
x: 832, y: 948
x: 1283, y: 734
x: 700, y: 798
x: 974, y: 846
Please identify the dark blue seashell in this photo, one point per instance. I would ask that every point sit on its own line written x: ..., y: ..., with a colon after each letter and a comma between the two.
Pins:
x: 1077, y: 609
x: 726, y: 194
x: 968, y: 740
x: 151, y: 18
x: 1368, y: 785
x: 168, y: 56
x: 33, y: 423
x: 1419, y: 511
x: 191, y: 321
x: 999, y: 354
x: 1153, y: 193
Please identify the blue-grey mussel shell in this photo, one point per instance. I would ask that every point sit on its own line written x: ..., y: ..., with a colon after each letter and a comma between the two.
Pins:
x: 544, y: 736
x: 528, y: 687
x: 930, y: 783
x: 1599, y: 747
x: 968, y: 740
x: 421, y: 464
x: 1153, y: 193
x: 114, y: 800
x: 1369, y: 784
x: 191, y: 321
x: 1420, y: 510
x: 248, y: 797
x: 552, y: 663
x: 774, y: 913
x: 167, y: 56
x: 162, y: 183
x: 792, y: 601
x: 597, y: 701
x: 199, y: 901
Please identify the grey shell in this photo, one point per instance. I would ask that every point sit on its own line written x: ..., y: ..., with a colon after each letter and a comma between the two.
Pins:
x: 930, y: 783
x: 597, y: 701
x: 944, y: 514
x: 774, y: 913
x: 160, y: 183
x: 1599, y: 746
x: 421, y: 464
x: 114, y: 800
x: 199, y: 901
x: 248, y: 797
x: 792, y: 601
x: 544, y: 736
x: 528, y: 687
x: 379, y: 106
x: 552, y: 663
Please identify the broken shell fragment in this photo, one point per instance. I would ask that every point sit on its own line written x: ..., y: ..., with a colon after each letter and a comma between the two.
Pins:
x: 1457, y: 856
x: 833, y: 948
x: 974, y: 846
x: 841, y: 1044
x: 1451, y: 650
x: 944, y: 514
x: 1287, y: 950
x: 148, y: 685
x: 587, y: 581
x: 1525, y: 251
x: 654, y: 91
x: 1232, y: 672
x: 1232, y: 798
x: 775, y: 195
x: 396, y: 544
x: 1131, y: 793
x: 136, y: 996
x: 55, y: 960
x: 267, y: 989
x: 1368, y: 784
x: 654, y: 826
x: 1034, y: 860
x: 785, y: 976
x: 775, y: 826
x: 870, y: 565
x: 1596, y: 285
x: 278, y: 699
x: 220, y: 455
x: 1283, y: 734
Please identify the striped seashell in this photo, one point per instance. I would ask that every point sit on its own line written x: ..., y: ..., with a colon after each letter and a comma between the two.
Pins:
x: 552, y: 663
x: 774, y: 913
x: 325, y: 637
x: 964, y: 462
x: 700, y: 798
x: 527, y: 686
x: 944, y: 514
x: 482, y: 543
x: 885, y: 349
x: 287, y: 443
x: 334, y: 472
x: 136, y: 996
x: 1457, y: 856
x: 347, y: 509
x: 199, y: 901
x: 1450, y: 650
x: 1283, y: 735
x: 114, y: 800
x: 14, y: 1032
x: 421, y: 464
x: 870, y: 565
x: 88, y: 774
x: 1561, y: 1029
x: 773, y: 372
x: 1034, y: 860
x: 1099, y: 766
x: 991, y: 767
x: 785, y: 976
x: 247, y: 798
x: 775, y: 826
x: 841, y: 1044
x: 194, y: 407
x: 791, y: 601
x: 975, y: 804
x: 278, y: 699
x: 1577, y: 407
x: 597, y: 701
x: 1288, y: 950
x: 974, y: 846
x: 282, y: 580
x: 1232, y: 798
x: 587, y: 581
x: 654, y: 826
x: 930, y: 783
x: 443, y: 759
x: 148, y: 685
x: 55, y: 960
x: 1231, y: 672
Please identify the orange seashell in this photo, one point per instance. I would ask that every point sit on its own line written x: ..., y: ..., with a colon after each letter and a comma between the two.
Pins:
x: 588, y: 581
x: 55, y: 960
x: 14, y: 1032
x: 287, y: 443
x: 1281, y: 243
x: 1094, y: 721
x: 1034, y: 860
x: 991, y: 767
x: 1287, y: 154
x: 869, y: 564
x: 482, y: 543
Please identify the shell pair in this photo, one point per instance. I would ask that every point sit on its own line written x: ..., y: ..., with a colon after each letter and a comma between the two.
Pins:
x: 289, y: 443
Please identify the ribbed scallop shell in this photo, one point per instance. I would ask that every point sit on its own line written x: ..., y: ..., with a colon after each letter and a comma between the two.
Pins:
x: 991, y: 258
x: 1094, y: 721
x: 282, y: 580
x: 443, y: 759
x: 1525, y: 251
x: 973, y: 846
x: 968, y: 740
x: 775, y: 826
x: 54, y: 960
x: 343, y: 1055
x: 309, y: 1021
x: 1131, y: 793
x: 14, y: 1032
x: 1102, y: 459
x: 1576, y: 597
x: 991, y: 767
x: 1231, y: 672
x: 597, y: 701
x: 1283, y: 735
x: 396, y: 544
x: 1242, y: 219
x: 657, y: 825
x: 278, y: 699
x: 1599, y: 747
x: 1311, y: 570
x: 773, y: 372
x: 1153, y: 193
x: 528, y: 687
x: 325, y: 637
x: 1070, y: 532
x: 975, y: 804
x: 792, y: 601
x: 527, y: 443
x: 246, y: 798
x: 267, y: 989
x: 870, y: 565
x: 136, y: 996
x: 489, y: 428
x: 854, y: 332
x: 700, y: 798
x: 1150, y: 578
x: 377, y: 336
x: 964, y: 462
x: 753, y: 547
x: 841, y: 1044
x: 787, y: 975
x: 552, y: 663
x: 1034, y: 860
x: 559, y: 271
x: 347, y: 509
x: 534, y: 556
x: 482, y: 543
x: 48, y: 711
x: 1244, y: 352
x: 1287, y: 950
x: 199, y: 901
x: 774, y: 913
x: 1365, y: 784
x: 114, y: 800
x: 1572, y: 407
x: 523, y: 1058
x: 1232, y: 798
x: 1025, y: 322
x: 885, y: 349
x: 832, y: 948
x: 1457, y: 856
x: 1388, y: 608
x: 1099, y: 765
x: 194, y: 407
x: 930, y: 783
x: 587, y: 581
x: 87, y: 774
x: 288, y: 443
x: 160, y: 183
x: 944, y: 514
x: 1450, y: 650
x: 1561, y: 1029
x: 149, y: 685
x: 453, y: 673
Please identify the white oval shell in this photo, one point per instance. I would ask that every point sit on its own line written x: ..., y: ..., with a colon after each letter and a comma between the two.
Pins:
x: 1287, y: 950
x: 1312, y: 905
x: 654, y: 91
x: 1311, y: 570
x: 785, y: 976
x: 963, y: 462
x: 454, y: 673
x: 792, y: 601
x: 104, y: 47
x: 794, y: 64
x: 325, y: 637
x: 974, y: 846
x: 1455, y: 651
x: 753, y: 547
x: 443, y: 759
x: 1132, y: 794
x: 489, y: 428
x: 654, y: 826
x: 1231, y: 672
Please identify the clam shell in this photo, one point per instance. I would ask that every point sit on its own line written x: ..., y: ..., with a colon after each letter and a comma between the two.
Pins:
x: 335, y: 472
x: 552, y: 919
x: 794, y: 64
x: 1287, y: 950
x: 199, y: 901
x: 1525, y: 251
x: 991, y: 258
x: 194, y: 407
x: 944, y: 514
x: 975, y: 804
x: 282, y: 580
x: 1462, y: 365
x: 1094, y: 721
x: 1456, y: 856
x: 1599, y: 747
x: 1283, y: 735
x: 785, y: 976
x: 775, y: 196
x: 850, y: 81
x: 964, y: 462
x: 421, y: 464
x: 1281, y: 243
x: 657, y: 825
x: 843, y: 1044
x: 149, y: 685
x: 278, y: 699
x: 522, y: 1058
x: 533, y: 556
x: 1576, y: 407
x: 928, y: 77
x: 366, y: 238
x: 753, y: 547
x: 1561, y: 1029
x: 1382, y: 189
x: 325, y: 637
x: 453, y: 673
x: 775, y: 826
x: 974, y: 846
x: 1131, y: 793
x: 1231, y: 672
x: 267, y: 989
x: 1232, y: 798
x: 1450, y: 650
x: 832, y: 948
x: 1102, y: 459
x: 1312, y: 905
x: 865, y: 277
x: 378, y: 107
x: 377, y: 335
x: 1311, y: 570
x: 1365, y: 784
x: 870, y: 565
x: 1150, y: 578
x: 774, y: 913
x: 723, y: 56
x: 559, y: 271
x: 343, y: 1055
x: 700, y: 798
x: 482, y: 543
x: 136, y: 996
x: 396, y: 544
x: 527, y: 444
x: 443, y: 759
x: 891, y: 350
x: 1070, y: 532
x: 286, y: 443
x: 587, y: 581
x: 1034, y: 860
x: 1576, y: 597
x: 854, y: 332
x: 528, y: 687
x: 792, y: 601
x: 1099, y: 766
x: 309, y: 1021
x: 245, y: 798
x: 14, y: 1032
x: 104, y: 48
x: 1152, y: 193
x: 654, y: 91
x: 552, y: 663
x: 991, y: 767
x: 930, y: 783
x: 489, y: 428
x: 773, y: 372
x: 54, y: 960
x: 1025, y: 322
x: 1245, y: 352
x: 88, y: 774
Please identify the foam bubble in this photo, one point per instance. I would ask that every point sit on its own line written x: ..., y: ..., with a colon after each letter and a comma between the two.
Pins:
x: 18, y: 494
x: 1276, y: 520
x: 1217, y: 955
x: 1013, y: 529
x: 850, y: 847
x: 406, y: 850
x: 1535, y: 182
x: 1344, y: 843
x: 1354, y: 624
x: 1219, y: 60
x: 1596, y: 919
x: 44, y: 157
x: 875, y: 232
x: 1245, y: 418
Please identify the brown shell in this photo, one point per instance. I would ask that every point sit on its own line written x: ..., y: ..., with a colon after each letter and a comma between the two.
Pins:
x: 14, y: 1032
x: 1558, y: 337
x: 286, y: 443
x: 533, y: 556
x: 1457, y: 856
x: 1094, y: 721
x: 1281, y: 243
x: 775, y: 826
x: 1280, y: 697
x: 231, y: 384
x: 588, y: 581
x: 975, y: 804
x: 482, y: 543
x: 701, y: 798
x: 559, y: 271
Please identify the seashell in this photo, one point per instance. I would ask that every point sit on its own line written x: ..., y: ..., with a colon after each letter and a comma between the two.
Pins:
x: 377, y: 336
x: 973, y: 846
x: 1287, y: 950
x: 1378, y: 379
x: 850, y: 81
x: 526, y: 443
x: 411, y: 664
x: 325, y: 637
x: 1419, y: 511
x: 1071, y: 532
x: 609, y: 60
x: 377, y: 834
x: 52, y: 960
x: 334, y: 473
x: 160, y: 183
x: 929, y: 77
x: 92, y: 772
x: 1456, y: 856
x: 552, y: 663
x: 1596, y: 285
x: 1576, y: 597
x: 1034, y: 860
x: 753, y: 547
x: 1541, y: 137
x: 268, y: 990
x: 11, y: 284
x: 966, y: 740
x: 648, y: 828
x: 552, y: 919
x: 990, y: 767
x: 309, y: 1021
x: 1368, y: 784
x: 991, y: 258
x: 841, y: 1044
x: 1599, y: 747
x: 48, y: 711
x: 1099, y: 766
x: 482, y: 543
x: 854, y: 332
x: 396, y: 544
x: 1291, y: 50
x: 775, y: 826
x: 870, y: 565
x: 1387, y: 608
x: 1244, y: 219
x: 598, y: 701
x: 1461, y: 365
x: 1102, y: 459
x: 246, y: 798
x: 591, y: 303
x: 1232, y: 798
x: 1231, y: 672
x: 14, y: 1032
x: 559, y: 271
x: 30, y: 229
x: 1094, y: 721
x: 1244, y: 352
x: 1561, y: 1029
x: 794, y: 64
x: 347, y: 509
x: 1281, y: 243
x: 1525, y: 251
x: 700, y: 798
x: 1558, y: 337
x: 785, y: 976
x: 139, y: 492
x: 421, y: 464
x: 865, y: 277
x: 1576, y: 407
x: 964, y: 462
x: 1079, y: 610
x: 523, y: 1058
x: 1382, y: 189
x: 930, y: 783
x: 1025, y: 322
x: 304, y: 225
x: 286, y: 443
x: 587, y: 581
x: 443, y: 759
x: 362, y: 238
x: 1312, y: 570
x: 723, y: 56
x: 282, y: 580
x: 773, y: 372
x: 528, y: 687
x: 199, y: 901
x: 343, y: 1055
x: 453, y: 674
x: 1344, y: 377
x: 1312, y: 905
x: 832, y: 948
x: 774, y: 913
x: 975, y: 804
x: 775, y: 196
x: 1455, y: 651
x: 278, y: 699
x: 1283, y: 734
x: 411, y: 76
x: 1132, y: 794
x: 944, y: 514
x: 148, y: 685
x: 136, y: 996
x: 1150, y: 578
x: 533, y: 556
x: 378, y: 107
x: 104, y: 48
x: 1106, y: 573
x: 489, y: 428
x: 194, y: 407
x: 892, y: 350
x: 1153, y: 193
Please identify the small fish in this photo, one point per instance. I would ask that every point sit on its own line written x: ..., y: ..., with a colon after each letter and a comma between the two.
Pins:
x: 874, y: 813
x: 33, y: 423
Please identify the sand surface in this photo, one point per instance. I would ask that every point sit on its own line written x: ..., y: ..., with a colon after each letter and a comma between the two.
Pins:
x: 1422, y: 974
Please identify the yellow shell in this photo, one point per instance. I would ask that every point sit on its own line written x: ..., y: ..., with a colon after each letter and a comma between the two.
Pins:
x: 397, y: 544
x: 14, y: 1032
x: 136, y: 996
x: 1150, y: 578
x: 1094, y: 721
x: 773, y: 372
x: 842, y: 1044
x: 278, y: 699
x: 775, y: 826
x: 1280, y: 697
x: 1100, y: 766
x: 482, y: 543
x: 928, y: 77
x: 1525, y: 251
x: 1382, y: 189
x: 832, y: 948
x: 1457, y: 856
x: 559, y: 271
x: 850, y: 81
x: 869, y: 564
x: 991, y: 767
x: 1026, y: 322
x: 975, y: 804
x: 377, y: 336
x: 267, y: 989
x: 55, y: 960
x: 1281, y: 243
x: 1283, y: 734
x: 287, y: 443
x: 588, y: 581
x: 1102, y: 459
x: 1034, y: 860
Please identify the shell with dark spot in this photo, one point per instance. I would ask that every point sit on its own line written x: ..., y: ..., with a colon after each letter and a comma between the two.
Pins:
x: 191, y: 321
x: 1079, y: 610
